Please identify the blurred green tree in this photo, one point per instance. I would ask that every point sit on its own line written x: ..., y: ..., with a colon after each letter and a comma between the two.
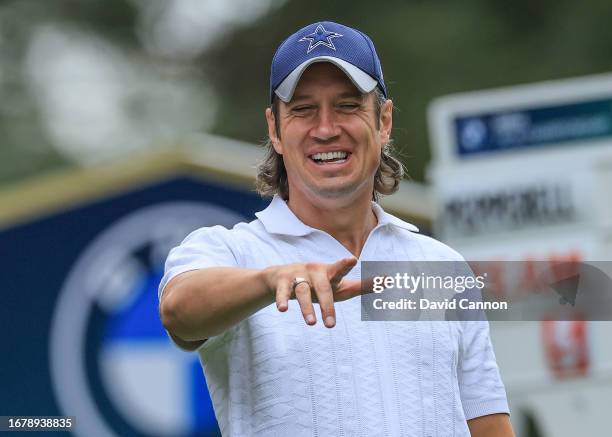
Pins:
x: 25, y: 146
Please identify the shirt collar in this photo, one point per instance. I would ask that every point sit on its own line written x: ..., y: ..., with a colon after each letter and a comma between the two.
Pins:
x: 388, y: 219
x: 277, y: 218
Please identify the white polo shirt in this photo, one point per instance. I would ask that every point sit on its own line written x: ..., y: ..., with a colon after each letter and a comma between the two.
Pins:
x: 273, y: 375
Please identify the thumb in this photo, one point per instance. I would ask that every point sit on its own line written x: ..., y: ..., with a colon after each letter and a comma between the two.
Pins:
x: 347, y: 289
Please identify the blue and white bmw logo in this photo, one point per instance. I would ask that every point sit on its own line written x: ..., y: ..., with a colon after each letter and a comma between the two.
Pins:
x: 112, y: 364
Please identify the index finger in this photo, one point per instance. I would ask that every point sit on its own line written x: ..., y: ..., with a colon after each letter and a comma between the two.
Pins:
x: 340, y: 268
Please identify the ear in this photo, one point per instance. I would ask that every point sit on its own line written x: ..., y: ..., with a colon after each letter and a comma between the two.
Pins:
x: 272, y: 131
x: 386, y: 121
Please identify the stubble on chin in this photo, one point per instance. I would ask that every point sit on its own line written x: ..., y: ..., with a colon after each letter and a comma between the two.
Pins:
x: 337, y: 191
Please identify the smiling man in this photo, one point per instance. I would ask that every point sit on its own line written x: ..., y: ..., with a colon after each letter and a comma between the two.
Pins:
x: 273, y: 306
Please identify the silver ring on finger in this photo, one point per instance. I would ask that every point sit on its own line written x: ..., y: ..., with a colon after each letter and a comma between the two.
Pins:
x: 297, y: 281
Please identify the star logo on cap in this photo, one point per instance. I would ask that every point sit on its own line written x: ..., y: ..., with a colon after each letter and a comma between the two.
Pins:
x: 320, y: 37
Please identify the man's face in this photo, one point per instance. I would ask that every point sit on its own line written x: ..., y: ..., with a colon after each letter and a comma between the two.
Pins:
x: 328, y: 115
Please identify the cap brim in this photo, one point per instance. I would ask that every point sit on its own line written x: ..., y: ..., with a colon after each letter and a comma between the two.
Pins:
x: 363, y: 81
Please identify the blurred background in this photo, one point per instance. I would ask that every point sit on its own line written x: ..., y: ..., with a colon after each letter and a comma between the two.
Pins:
x: 128, y: 123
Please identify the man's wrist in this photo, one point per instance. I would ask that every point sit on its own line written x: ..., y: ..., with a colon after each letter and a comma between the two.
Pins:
x: 267, y: 277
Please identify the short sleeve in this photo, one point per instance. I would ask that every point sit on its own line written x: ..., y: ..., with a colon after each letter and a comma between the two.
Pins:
x: 203, y: 248
x: 481, y: 388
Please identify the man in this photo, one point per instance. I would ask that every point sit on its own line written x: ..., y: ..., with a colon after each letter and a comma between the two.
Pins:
x: 273, y: 306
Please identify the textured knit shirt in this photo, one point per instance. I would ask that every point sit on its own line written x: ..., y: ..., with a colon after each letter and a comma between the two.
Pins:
x: 273, y: 375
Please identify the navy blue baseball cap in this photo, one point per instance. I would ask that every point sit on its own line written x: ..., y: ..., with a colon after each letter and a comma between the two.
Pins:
x: 349, y: 49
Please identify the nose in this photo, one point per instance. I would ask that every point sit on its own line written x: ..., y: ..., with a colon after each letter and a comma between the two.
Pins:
x: 325, y: 128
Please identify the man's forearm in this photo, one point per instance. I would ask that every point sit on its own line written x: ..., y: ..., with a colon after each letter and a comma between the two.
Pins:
x: 493, y: 425
x: 202, y: 303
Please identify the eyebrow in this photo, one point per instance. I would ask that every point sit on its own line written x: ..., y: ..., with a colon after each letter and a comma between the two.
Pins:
x: 295, y: 99
x: 353, y: 94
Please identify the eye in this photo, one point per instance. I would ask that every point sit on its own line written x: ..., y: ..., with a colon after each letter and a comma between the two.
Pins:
x: 302, y: 109
x: 349, y: 106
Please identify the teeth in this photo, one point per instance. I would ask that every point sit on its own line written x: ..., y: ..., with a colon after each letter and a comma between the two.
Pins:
x: 329, y: 155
